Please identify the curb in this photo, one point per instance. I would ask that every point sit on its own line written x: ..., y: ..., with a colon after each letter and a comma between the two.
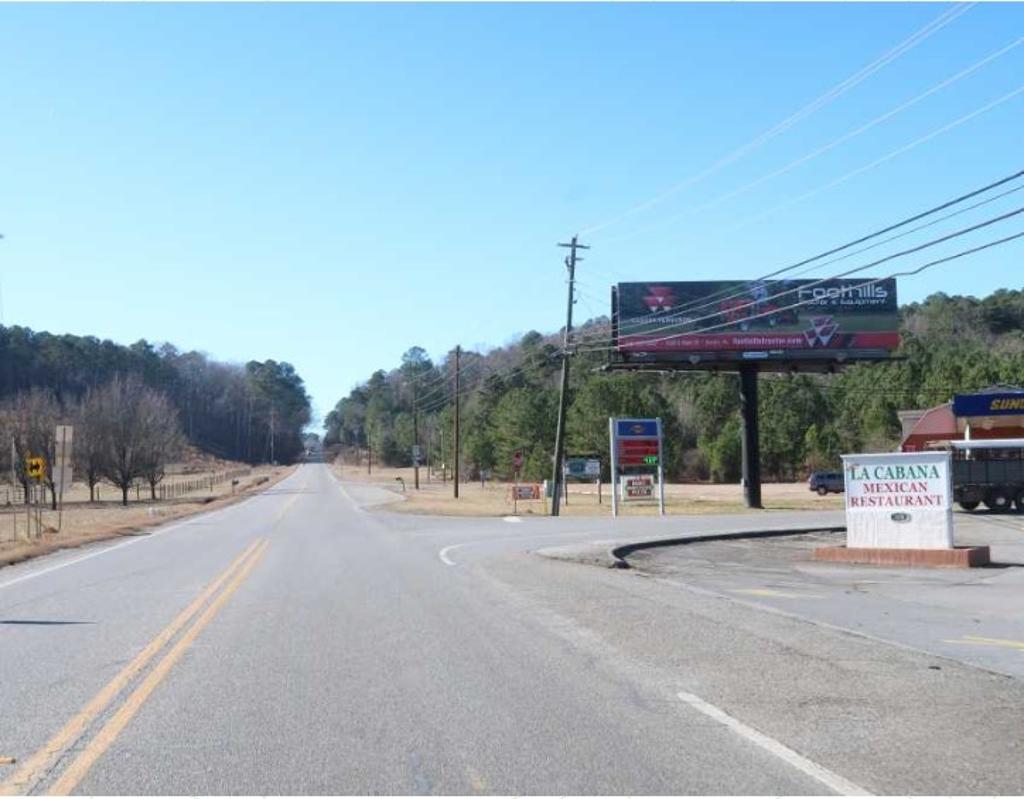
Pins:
x: 618, y: 554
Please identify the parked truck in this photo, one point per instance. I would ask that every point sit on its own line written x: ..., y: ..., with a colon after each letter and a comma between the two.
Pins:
x: 989, y: 472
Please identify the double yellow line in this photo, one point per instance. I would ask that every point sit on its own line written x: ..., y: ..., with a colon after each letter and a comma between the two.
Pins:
x: 37, y: 767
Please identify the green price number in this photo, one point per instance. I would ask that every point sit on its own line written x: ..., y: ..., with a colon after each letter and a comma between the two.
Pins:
x: 651, y: 460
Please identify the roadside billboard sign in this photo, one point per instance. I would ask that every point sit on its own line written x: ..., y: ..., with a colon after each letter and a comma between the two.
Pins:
x: 765, y: 320
x: 901, y: 500
x: 582, y: 468
x: 526, y: 491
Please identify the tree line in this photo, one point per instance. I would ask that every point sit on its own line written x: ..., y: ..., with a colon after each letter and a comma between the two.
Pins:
x: 124, y: 432
x: 253, y: 412
x: 950, y: 344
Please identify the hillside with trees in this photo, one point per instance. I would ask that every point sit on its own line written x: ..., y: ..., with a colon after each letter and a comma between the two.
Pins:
x: 510, y: 395
x: 135, y: 406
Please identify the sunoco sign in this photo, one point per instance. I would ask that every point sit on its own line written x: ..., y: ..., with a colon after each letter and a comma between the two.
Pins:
x: 899, y: 500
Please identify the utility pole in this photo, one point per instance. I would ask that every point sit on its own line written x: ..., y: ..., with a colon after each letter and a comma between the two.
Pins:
x: 415, y: 441
x: 556, y: 478
x: 369, y: 453
x: 455, y: 469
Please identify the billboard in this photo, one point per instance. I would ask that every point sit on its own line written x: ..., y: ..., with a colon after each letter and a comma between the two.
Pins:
x: 731, y: 320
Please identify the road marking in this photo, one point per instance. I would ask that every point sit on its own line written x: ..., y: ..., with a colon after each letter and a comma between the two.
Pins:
x: 21, y: 781
x: 285, y: 508
x: 202, y: 518
x: 443, y: 554
x: 771, y: 592
x: 98, y: 552
x: 519, y: 539
x: 88, y: 756
x: 977, y: 640
x: 833, y: 781
x: 512, y: 519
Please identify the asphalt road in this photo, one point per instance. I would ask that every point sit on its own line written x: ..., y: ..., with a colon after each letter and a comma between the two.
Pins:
x: 299, y: 643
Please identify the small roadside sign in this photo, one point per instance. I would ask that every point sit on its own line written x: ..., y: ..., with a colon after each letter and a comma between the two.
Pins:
x: 517, y: 460
x: 582, y: 468
x: 637, y: 486
x: 35, y: 467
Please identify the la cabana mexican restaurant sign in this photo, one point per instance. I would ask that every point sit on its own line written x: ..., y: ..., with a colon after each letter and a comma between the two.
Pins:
x: 899, y: 500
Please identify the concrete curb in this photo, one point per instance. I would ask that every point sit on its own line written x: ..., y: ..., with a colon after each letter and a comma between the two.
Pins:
x: 617, y: 555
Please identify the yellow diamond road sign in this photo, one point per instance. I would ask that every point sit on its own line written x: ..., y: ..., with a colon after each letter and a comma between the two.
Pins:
x: 35, y: 468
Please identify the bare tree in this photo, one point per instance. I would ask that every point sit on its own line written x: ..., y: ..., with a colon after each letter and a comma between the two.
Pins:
x: 32, y: 418
x: 139, y: 432
x: 163, y: 440
x: 123, y: 431
x: 90, y: 440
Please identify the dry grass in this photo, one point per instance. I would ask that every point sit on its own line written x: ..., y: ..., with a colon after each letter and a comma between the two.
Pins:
x: 435, y: 498
x: 84, y: 522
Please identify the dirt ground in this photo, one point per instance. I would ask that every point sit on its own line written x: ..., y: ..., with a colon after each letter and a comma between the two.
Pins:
x: 493, y: 499
x: 83, y: 522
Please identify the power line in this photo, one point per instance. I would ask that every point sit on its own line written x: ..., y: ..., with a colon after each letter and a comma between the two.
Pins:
x: 878, y: 162
x: 824, y: 148
x: 820, y: 102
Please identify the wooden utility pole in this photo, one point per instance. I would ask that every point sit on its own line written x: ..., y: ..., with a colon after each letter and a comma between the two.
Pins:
x: 556, y: 478
x: 458, y: 440
x: 415, y: 441
x: 369, y: 453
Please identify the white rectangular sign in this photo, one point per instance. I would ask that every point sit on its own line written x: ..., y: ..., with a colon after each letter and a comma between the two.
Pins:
x: 900, y: 500
x: 637, y: 486
x: 63, y: 436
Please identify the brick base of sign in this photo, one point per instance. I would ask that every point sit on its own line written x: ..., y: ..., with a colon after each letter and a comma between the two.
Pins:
x: 959, y: 557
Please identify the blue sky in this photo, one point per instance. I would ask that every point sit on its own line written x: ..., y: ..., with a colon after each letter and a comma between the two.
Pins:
x: 332, y: 184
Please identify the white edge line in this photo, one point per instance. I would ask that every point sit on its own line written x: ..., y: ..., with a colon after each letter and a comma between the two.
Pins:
x: 103, y: 550
x: 833, y: 781
x: 96, y: 553
x: 443, y: 554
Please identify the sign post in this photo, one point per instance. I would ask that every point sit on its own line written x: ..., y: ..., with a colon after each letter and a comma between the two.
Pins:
x: 615, y: 468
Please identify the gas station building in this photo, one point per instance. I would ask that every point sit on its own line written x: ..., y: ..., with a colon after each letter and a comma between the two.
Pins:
x: 995, y: 412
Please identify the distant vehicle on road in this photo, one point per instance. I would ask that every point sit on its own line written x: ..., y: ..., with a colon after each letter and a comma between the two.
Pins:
x: 989, y: 472
x: 825, y: 482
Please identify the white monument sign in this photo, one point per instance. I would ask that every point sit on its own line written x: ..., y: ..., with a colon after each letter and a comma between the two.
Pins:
x: 900, y: 500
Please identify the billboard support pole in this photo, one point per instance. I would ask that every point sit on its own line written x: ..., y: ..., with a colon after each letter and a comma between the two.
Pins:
x: 751, y: 470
